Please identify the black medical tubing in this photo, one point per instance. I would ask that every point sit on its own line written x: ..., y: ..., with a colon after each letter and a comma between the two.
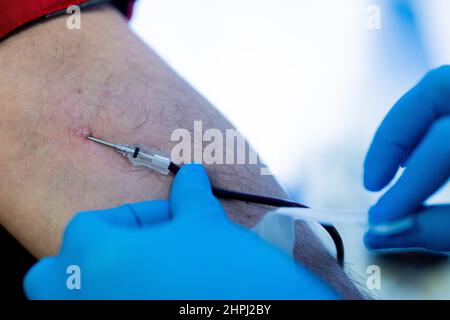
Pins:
x: 275, y: 202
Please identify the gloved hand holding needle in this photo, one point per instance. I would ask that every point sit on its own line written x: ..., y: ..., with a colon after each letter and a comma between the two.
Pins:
x: 183, y: 248
x: 414, y: 134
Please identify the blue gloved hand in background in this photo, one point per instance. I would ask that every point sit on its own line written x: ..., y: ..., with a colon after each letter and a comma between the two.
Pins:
x: 197, y: 254
x: 416, y: 134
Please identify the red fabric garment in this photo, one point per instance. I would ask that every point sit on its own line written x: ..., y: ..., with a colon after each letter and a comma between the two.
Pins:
x: 15, y: 13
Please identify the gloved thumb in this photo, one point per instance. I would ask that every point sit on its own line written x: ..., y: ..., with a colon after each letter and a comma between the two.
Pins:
x: 428, y: 232
x: 191, y: 195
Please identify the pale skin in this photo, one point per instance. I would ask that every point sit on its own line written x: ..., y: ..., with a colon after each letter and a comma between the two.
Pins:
x: 58, y: 86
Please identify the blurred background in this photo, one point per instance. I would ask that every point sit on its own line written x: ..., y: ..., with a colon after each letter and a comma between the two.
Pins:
x: 308, y: 82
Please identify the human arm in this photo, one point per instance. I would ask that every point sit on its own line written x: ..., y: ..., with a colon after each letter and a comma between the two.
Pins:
x: 59, y: 85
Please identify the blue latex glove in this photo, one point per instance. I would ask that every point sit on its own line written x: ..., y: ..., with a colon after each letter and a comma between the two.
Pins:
x: 197, y: 254
x: 416, y: 134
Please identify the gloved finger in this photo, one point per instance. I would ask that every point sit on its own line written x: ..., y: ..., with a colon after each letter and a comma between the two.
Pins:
x: 85, y: 230
x: 429, y: 231
x: 404, y: 126
x: 191, y: 196
x: 38, y: 281
x: 137, y: 214
x: 428, y: 168
x: 88, y: 226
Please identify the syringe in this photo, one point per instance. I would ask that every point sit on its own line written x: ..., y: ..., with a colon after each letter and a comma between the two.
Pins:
x: 139, y: 156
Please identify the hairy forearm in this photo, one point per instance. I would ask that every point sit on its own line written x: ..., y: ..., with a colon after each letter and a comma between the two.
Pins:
x: 59, y: 85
